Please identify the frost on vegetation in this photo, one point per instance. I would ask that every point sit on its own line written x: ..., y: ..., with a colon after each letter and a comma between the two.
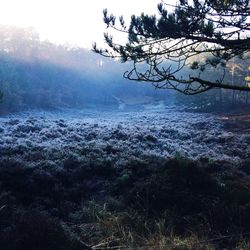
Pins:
x: 118, y: 136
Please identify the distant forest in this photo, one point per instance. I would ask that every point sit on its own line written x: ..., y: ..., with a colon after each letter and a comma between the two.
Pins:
x: 39, y: 74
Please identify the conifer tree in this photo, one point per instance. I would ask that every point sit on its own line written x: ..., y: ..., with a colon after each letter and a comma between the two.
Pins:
x: 161, y: 46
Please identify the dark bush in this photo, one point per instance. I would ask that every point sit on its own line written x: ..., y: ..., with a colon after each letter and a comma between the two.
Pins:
x: 183, y: 187
x: 34, y: 231
x: 232, y: 212
x: 245, y: 166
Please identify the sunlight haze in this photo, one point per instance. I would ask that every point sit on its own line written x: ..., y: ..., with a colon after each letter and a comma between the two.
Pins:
x: 77, y: 22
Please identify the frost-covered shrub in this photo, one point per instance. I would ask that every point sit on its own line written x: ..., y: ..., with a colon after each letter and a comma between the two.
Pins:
x: 56, y: 136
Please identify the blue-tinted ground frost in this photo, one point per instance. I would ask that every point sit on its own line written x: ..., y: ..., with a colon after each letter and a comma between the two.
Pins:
x: 39, y: 138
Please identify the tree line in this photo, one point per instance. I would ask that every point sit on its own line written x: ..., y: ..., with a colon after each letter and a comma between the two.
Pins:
x: 39, y: 74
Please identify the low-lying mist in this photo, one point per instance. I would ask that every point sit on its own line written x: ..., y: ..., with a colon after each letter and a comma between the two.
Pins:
x: 39, y: 74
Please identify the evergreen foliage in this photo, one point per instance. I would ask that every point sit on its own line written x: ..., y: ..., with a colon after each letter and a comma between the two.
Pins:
x: 170, y: 41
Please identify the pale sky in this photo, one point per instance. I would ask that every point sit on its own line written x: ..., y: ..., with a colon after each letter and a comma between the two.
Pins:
x: 77, y: 22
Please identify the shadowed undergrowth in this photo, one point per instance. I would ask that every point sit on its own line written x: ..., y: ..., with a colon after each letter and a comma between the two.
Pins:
x: 156, y: 203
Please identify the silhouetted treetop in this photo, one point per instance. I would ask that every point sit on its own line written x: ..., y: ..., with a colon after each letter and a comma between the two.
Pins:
x: 199, y: 34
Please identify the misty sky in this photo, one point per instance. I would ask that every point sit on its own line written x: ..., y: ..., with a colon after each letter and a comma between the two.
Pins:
x: 78, y: 22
